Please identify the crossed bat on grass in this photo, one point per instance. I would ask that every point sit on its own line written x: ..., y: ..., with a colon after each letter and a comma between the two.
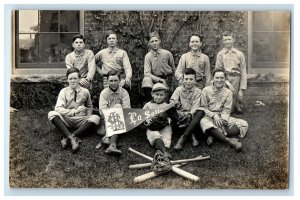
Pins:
x: 175, y: 167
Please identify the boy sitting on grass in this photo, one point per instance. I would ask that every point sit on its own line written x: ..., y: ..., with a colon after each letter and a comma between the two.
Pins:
x: 187, y: 97
x: 73, y: 109
x: 114, y: 96
x: 159, y: 136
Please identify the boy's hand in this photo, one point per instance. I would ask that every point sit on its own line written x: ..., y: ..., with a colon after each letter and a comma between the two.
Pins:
x: 128, y: 81
x: 177, y: 105
x: 148, y: 122
x: 80, y: 109
x: 163, y: 81
x: 217, y: 121
x: 84, y: 82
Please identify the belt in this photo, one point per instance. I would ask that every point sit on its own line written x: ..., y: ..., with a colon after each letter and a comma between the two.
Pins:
x: 234, y: 74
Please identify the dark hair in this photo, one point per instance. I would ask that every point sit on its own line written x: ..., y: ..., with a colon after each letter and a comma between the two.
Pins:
x: 109, y: 33
x: 218, y: 69
x: 189, y: 71
x: 113, y: 72
x: 195, y: 34
x: 153, y: 34
x: 72, y: 70
x: 227, y: 33
x: 78, y: 36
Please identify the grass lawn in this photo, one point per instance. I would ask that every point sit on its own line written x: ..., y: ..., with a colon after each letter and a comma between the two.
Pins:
x: 38, y: 161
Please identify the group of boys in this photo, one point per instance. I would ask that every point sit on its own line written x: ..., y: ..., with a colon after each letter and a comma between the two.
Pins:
x: 202, y: 103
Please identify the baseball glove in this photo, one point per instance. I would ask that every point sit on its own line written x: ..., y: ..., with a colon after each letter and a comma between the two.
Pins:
x: 159, y: 122
x: 160, y: 163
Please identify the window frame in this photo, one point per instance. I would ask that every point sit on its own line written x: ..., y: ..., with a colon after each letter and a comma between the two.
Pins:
x: 33, y: 68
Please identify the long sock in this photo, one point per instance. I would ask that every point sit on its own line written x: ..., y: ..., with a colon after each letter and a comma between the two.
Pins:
x: 113, y: 139
x: 83, y: 128
x: 195, y: 123
x: 59, y: 124
x: 233, y: 130
x: 216, y: 133
x: 148, y: 95
x: 159, y: 144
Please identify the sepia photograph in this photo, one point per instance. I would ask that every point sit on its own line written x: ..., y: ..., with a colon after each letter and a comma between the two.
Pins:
x: 150, y: 99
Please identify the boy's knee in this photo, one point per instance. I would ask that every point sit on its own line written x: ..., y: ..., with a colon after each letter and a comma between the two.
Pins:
x: 52, y: 114
x: 95, y: 119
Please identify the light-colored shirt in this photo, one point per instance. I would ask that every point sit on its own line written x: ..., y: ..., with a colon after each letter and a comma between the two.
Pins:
x: 84, y: 62
x: 66, y: 104
x: 116, y: 59
x: 216, y: 101
x: 189, y: 99
x: 153, y: 105
x: 109, y: 98
x: 199, y: 62
x: 160, y: 63
x: 233, y: 61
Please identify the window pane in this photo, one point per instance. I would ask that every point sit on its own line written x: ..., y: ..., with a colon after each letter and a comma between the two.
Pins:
x: 49, y: 48
x: 69, y: 21
x: 28, y: 48
x: 28, y: 21
x: 49, y: 21
x: 65, y: 45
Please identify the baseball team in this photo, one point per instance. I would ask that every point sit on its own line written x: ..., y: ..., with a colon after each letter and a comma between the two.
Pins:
x: 203, y: 100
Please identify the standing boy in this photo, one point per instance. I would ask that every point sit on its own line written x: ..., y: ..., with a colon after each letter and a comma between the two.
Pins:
x: 216, y: 101
x: 233, y: 61
x: 197, y: 60
x: 158, y: 66
x: 82, y: 59
x: 113, y: 58
x: 188, y: 95
x: 73, y: 110
x: 114, y: 96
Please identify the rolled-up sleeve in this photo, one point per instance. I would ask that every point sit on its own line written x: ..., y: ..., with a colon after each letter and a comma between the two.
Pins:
x: 91, y: 65
x: 243, y: 82
x: 127, y: 66
x: 180, y: 67
x: 225, y: 113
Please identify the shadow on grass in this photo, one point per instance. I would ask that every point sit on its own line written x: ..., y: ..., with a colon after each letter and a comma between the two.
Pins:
x: 38, y: 161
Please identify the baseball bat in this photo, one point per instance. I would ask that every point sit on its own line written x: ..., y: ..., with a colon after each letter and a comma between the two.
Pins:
x: 145, y: 165
x: 150, y: 175
x: 174, y: 169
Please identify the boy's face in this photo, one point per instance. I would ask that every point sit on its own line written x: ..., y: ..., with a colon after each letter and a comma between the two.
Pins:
x: 78, y: 44
x: 195, y: 43
x: 112, y: 40
x: 228, y: 41
x: 159, y: 96
x: 154, y: 43
x: 219, y: 79
x: 113, y: 82
x: 73, y: 80
x: 189, y: 81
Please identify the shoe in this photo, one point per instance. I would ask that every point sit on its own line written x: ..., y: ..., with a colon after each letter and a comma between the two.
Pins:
x: 235, y: 143
x: 74, y: 143
x: 112, y: 149
x: 194, y: 140
x: 106, y: 140
x: 179, y: 144
x: 64, y: 143
x: 210, y: 141
x: 168, y: 155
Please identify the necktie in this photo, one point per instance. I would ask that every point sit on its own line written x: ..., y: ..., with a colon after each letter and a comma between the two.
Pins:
x: 75, y: 95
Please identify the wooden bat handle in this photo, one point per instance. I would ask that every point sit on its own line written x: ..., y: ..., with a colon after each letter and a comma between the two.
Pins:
x: 150, y: 175
x: 185, y: 174
x: 138, y: 166
x: 138, y: 153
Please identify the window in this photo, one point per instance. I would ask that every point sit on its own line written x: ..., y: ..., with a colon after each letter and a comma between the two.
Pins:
x: 44, y: 37
x: 271, y: 42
